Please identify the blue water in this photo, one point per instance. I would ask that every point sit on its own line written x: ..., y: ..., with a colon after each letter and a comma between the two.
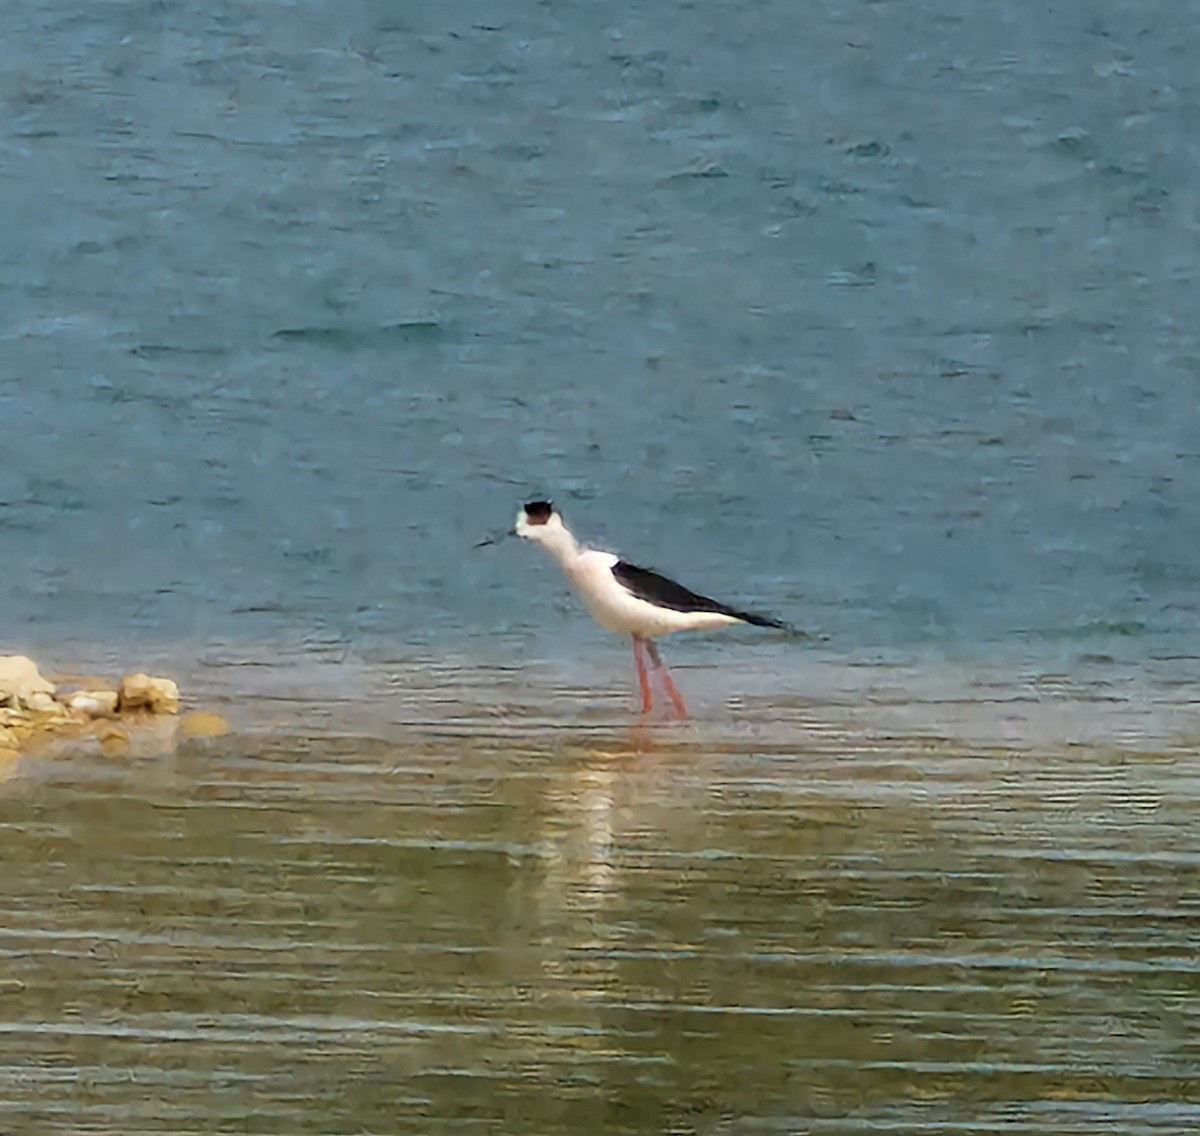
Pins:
x: 881, y: 316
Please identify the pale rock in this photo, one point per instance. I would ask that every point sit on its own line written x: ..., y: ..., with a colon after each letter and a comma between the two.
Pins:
x: 114, y: 742
x: 42, y: 703
x: 21, y: 681
x: 93, y: 703
x: 141, y: 692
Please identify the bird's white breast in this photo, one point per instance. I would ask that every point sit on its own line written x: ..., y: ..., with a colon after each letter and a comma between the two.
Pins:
x: 614, y: 608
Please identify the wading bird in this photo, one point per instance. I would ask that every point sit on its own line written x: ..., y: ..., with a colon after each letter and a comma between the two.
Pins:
x: 629, y: 600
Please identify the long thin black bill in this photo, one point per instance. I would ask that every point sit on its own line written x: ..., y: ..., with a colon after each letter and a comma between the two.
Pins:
x: 495, y: 538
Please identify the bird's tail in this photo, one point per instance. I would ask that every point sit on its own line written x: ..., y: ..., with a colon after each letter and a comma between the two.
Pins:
x: 756, y: 620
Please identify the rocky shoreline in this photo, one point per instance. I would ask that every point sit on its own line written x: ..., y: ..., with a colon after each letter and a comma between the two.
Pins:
x: 35, y: 711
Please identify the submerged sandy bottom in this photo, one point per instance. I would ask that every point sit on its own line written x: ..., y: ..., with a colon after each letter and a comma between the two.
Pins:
x: 429, y: 896
x: 781, y: 702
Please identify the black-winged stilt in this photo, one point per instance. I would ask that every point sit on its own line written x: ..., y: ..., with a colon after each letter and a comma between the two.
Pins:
x: 629, y: 600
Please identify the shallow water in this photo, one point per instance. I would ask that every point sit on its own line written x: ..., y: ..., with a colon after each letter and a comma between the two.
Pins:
x: 567, y: 930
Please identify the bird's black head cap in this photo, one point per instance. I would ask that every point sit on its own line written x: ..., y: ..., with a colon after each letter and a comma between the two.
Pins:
x: 538, y: 512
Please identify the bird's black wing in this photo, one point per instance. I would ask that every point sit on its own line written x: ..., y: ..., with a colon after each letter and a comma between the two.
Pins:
x: 662, y: 592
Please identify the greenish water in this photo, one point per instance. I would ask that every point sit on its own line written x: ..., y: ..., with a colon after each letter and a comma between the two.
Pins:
x: 533, y: 920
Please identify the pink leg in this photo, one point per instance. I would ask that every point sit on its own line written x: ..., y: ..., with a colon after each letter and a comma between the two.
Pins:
x: 643, y: 677
x: 668, y: 682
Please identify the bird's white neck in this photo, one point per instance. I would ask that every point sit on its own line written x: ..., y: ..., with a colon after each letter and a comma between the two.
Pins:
x: 560, y: 542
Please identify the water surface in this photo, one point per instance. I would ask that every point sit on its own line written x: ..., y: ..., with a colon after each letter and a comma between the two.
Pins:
x: 881, y: 315
x: 564, y: 931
